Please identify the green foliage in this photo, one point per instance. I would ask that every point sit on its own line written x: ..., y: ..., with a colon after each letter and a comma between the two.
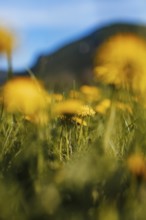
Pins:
x: 68, y: 171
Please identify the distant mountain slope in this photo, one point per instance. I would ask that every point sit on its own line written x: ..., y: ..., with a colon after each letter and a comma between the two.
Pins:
x: 75, y: 61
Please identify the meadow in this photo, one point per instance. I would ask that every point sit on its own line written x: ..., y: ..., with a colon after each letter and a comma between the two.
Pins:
x: 79, y: 154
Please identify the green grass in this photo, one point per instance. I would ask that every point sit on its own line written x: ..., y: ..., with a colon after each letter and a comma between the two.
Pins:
x: 65, y: 171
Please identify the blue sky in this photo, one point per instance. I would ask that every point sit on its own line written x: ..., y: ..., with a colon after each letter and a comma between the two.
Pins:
x: 41, y: 26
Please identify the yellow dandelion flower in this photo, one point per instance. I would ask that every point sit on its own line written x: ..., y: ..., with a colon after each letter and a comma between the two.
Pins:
x: 74, y: 94
x: 41, y: 118
x: 79, y: 121
x: 25, y: 95
x: 137, y: 165
x: 124, y: 107
x: 6, y: 46
x: 6, y: 41
x: 67, y: 107
x: 86, y: 110
x: 121, y: 61
x: 48, y: 98
x: 57, y: 97
x: 103, y: 106
x: 90, y: 93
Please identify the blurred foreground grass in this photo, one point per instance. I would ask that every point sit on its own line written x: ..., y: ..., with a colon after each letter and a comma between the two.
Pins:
x: 85, y: 160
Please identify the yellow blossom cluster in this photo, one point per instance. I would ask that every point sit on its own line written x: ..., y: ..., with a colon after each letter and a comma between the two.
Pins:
x: 90, y: 93
x: 6, y: 41
x: 67, y: 107
x: 103, y: 106
x: 85, y: 110
x: 79, y: 121
x: 27, y: 96
x: 121, y: 61
x: 137, y: 165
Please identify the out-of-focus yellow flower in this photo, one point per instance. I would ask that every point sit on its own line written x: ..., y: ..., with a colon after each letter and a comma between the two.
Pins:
x: 90, y: 93
x: 56, y: 97
x: 74, y: 94
x: 6, y: 41
x: 48, y: 99
x: 67, y: 107
x: 25, y: 95
x: 79, y: 121
x: 121, y: 61
x: 103, y: 106
x: 73, y: 119
x: 124, y: 107
x: 41, y: 118
x: 86, y: 110
x: 137, y: 165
